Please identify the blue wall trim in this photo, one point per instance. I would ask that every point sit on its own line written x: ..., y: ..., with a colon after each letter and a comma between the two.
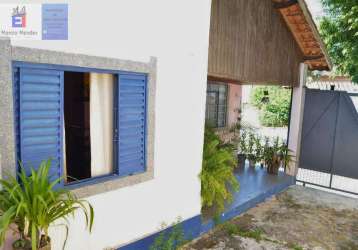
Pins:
x: 191, y: 228
x: 194, y: 227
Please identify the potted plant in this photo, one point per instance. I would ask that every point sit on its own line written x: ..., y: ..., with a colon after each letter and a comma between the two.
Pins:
x: 33, y: 204
x: 264, y: 150
x: 271, y: 156
x: 276, y: 155
x: 258, y: 151
x: 241, y: 156
x: 251, y: 154
x: 286, y: 155
x: 272, y: 160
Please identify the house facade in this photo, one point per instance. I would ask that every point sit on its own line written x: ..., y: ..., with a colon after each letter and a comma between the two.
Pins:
x: 107, y: 104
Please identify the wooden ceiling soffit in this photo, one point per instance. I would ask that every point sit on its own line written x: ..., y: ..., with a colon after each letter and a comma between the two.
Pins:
x: 300, y: 22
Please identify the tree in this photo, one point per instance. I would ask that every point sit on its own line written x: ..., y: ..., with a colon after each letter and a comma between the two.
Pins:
x: 275, y: 111
x: 339, y: 30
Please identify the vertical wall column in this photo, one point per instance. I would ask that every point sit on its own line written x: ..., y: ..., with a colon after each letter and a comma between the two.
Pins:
x: 7, y: 148
x: 297, y: 109
x: 234, y: 103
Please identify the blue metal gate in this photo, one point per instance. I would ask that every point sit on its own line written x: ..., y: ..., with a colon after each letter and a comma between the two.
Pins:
x: 329, y: 149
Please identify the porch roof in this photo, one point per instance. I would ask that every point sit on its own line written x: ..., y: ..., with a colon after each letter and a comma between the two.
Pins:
x: 300, y: 22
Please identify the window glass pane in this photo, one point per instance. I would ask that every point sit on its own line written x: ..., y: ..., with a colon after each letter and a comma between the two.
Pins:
x: 221, y: 119
x: 216, y: 104
x: 211, y: 108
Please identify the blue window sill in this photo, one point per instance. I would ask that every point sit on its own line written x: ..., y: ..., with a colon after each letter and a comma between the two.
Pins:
x: 91, y: 181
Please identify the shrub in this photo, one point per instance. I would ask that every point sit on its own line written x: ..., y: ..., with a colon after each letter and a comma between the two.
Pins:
x: 274, y: 113
x: 217, y: 177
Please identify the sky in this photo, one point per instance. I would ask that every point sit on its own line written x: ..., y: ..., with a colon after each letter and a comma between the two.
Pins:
x: 315, y: 7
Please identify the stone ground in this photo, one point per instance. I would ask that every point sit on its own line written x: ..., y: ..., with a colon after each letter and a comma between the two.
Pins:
x: 299, y: 218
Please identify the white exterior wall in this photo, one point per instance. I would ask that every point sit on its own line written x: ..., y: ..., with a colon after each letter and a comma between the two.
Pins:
x: 177, y: 33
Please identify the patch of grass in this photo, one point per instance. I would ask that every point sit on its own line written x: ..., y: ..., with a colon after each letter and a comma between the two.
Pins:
x: 232, y: 229
x: 348, y: 245
x: 254, y: 234
x: 289, y: 201
x: 295, y: 246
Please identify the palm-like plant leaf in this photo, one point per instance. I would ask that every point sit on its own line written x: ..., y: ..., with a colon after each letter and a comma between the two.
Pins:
x: 35, y: 203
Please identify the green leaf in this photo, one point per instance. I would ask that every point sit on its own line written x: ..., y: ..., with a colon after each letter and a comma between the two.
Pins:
x: 339, y: 31
x: 36, y: 204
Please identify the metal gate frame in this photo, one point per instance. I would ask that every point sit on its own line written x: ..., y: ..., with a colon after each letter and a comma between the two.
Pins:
x: 331, y: 173
x: 327, y: 187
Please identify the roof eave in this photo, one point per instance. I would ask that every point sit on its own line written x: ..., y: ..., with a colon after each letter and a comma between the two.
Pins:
x: 304, y: 30
x: 313, y: 25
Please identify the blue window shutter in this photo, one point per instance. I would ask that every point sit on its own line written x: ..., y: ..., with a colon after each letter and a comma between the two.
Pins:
x: 40, y: 118
x: 132, y: 110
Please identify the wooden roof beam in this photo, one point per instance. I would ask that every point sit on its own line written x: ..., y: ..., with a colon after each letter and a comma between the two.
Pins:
x: 311, y: 58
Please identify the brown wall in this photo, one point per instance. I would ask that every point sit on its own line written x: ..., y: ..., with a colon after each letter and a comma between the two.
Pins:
x: 250, y: 43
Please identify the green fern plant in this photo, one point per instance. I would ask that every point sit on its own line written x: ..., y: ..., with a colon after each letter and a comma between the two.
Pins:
x: 34, y: 204
x: 217, y: 177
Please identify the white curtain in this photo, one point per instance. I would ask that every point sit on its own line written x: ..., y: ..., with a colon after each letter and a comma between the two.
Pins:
x: 101, y: 123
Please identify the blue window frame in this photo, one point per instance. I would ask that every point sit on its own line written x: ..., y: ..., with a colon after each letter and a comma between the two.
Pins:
x: 39, y: 109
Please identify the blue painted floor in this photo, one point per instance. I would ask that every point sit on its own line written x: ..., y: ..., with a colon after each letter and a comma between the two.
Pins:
x: 255, y: 182
x: 256, y: 185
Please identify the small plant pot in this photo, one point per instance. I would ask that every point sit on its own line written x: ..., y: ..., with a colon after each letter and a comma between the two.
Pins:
x: 241, y: 158
x: 47, y: 247
x: 45, y: 243
x: 252, y: 164
x: 273, y: 169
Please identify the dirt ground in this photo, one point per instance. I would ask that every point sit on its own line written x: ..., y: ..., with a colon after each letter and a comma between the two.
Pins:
x: 299, y: 218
